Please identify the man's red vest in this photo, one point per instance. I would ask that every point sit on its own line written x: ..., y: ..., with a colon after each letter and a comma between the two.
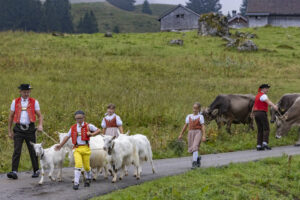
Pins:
x: 259, y: 105
x: 194, y: 125
x: 30, y: 110
x: 84, y: 131
x: 111, y: 123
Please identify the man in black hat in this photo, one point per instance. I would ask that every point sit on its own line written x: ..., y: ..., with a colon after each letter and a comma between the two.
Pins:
x: 260, y: 110
x: 23, y: 113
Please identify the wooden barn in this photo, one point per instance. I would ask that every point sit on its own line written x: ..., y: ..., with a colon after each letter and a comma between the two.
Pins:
x: 237, y: 21
x: 284, y: 13
x: 179, y: 18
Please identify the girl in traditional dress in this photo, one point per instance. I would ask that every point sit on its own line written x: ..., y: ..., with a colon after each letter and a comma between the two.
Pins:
x: 196, y: 134
x: 112, y: 123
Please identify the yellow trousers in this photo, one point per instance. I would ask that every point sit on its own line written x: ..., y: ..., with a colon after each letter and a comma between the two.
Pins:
x: 82, y: 156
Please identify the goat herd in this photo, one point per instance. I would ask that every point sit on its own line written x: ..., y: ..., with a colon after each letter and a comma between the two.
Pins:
x: 108, y: 155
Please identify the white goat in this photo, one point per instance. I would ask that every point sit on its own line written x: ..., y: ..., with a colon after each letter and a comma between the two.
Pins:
x: 50, y: 158
x: 99, y: 158
x: 68, y: 147
x: 123, y: 153
x: 144, y: 150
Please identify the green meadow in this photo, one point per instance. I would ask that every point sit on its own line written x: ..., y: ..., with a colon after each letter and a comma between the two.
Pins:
x: 269, y: 179
x: 153, y: 84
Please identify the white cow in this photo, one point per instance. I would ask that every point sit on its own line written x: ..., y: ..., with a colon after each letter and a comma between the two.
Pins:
x: 50, y: 158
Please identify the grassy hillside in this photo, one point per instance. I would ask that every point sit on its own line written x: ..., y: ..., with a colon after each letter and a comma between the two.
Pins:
x: 157, y: 9
x: 269, y: 179
x: 109, y: 16
x: 152, y: 83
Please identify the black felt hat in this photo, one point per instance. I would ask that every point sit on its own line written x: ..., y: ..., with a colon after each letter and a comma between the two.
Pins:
x: 25, y: 87
x: 264, y: 86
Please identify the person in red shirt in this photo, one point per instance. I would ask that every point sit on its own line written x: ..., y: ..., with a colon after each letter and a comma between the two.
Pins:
x: 259, y: 111
x: 23, y: 112
x: 80, y: 134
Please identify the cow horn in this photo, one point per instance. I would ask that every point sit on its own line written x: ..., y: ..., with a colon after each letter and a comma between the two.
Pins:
x: 215, y: 112
x: 283, y: 117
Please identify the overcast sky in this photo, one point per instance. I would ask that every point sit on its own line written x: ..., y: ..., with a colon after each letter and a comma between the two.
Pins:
x: 227, y: 5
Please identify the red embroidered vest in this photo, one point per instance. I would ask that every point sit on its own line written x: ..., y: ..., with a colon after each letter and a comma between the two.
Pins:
x: 259, y: 105
x: 194, y: 125
x: 30, y: 110
x: 84, y: 131
x: 111, y: 123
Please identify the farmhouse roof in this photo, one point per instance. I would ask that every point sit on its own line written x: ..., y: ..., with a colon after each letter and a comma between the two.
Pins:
x: 173, y: 9
x: 273, y: 7
x: 237, y: 17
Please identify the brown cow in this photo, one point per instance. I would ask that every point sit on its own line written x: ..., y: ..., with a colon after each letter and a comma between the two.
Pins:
x: 288, y: 120
x: 232, y: 108
x: 285, y: 102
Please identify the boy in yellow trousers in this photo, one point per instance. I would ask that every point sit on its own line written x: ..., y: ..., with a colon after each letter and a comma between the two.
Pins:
x: 80, y: 134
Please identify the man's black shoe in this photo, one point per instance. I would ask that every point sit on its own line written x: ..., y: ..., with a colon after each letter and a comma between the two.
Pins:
x: 35, y: 174
x: 267, y: 147
x: 199, y: 161
x: 75, y: 187
x: 260, y: 148
x: 12, y: 175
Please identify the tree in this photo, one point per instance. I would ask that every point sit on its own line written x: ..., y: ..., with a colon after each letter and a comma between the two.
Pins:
x: 228, y: 15
x: 88, y: 24
x: 57, y: 16
x: 123, y: 4
x: 146, y: 8
x: 204, y: 6
x: 243, y: 8
x: 20, y: 15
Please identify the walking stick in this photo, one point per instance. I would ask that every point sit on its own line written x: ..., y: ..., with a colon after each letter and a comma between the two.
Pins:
x: 56, y: 142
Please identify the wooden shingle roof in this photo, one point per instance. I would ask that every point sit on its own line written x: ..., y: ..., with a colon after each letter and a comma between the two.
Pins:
x: 171, y: 10
x: 273, y: 7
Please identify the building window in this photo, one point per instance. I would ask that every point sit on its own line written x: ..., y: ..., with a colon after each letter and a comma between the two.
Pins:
x: 180, y: 16
x: 257, y: 17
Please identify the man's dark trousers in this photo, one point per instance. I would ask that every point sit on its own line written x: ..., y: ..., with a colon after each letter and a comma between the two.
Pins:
x: 263, y: 129
x: 19, y: 137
